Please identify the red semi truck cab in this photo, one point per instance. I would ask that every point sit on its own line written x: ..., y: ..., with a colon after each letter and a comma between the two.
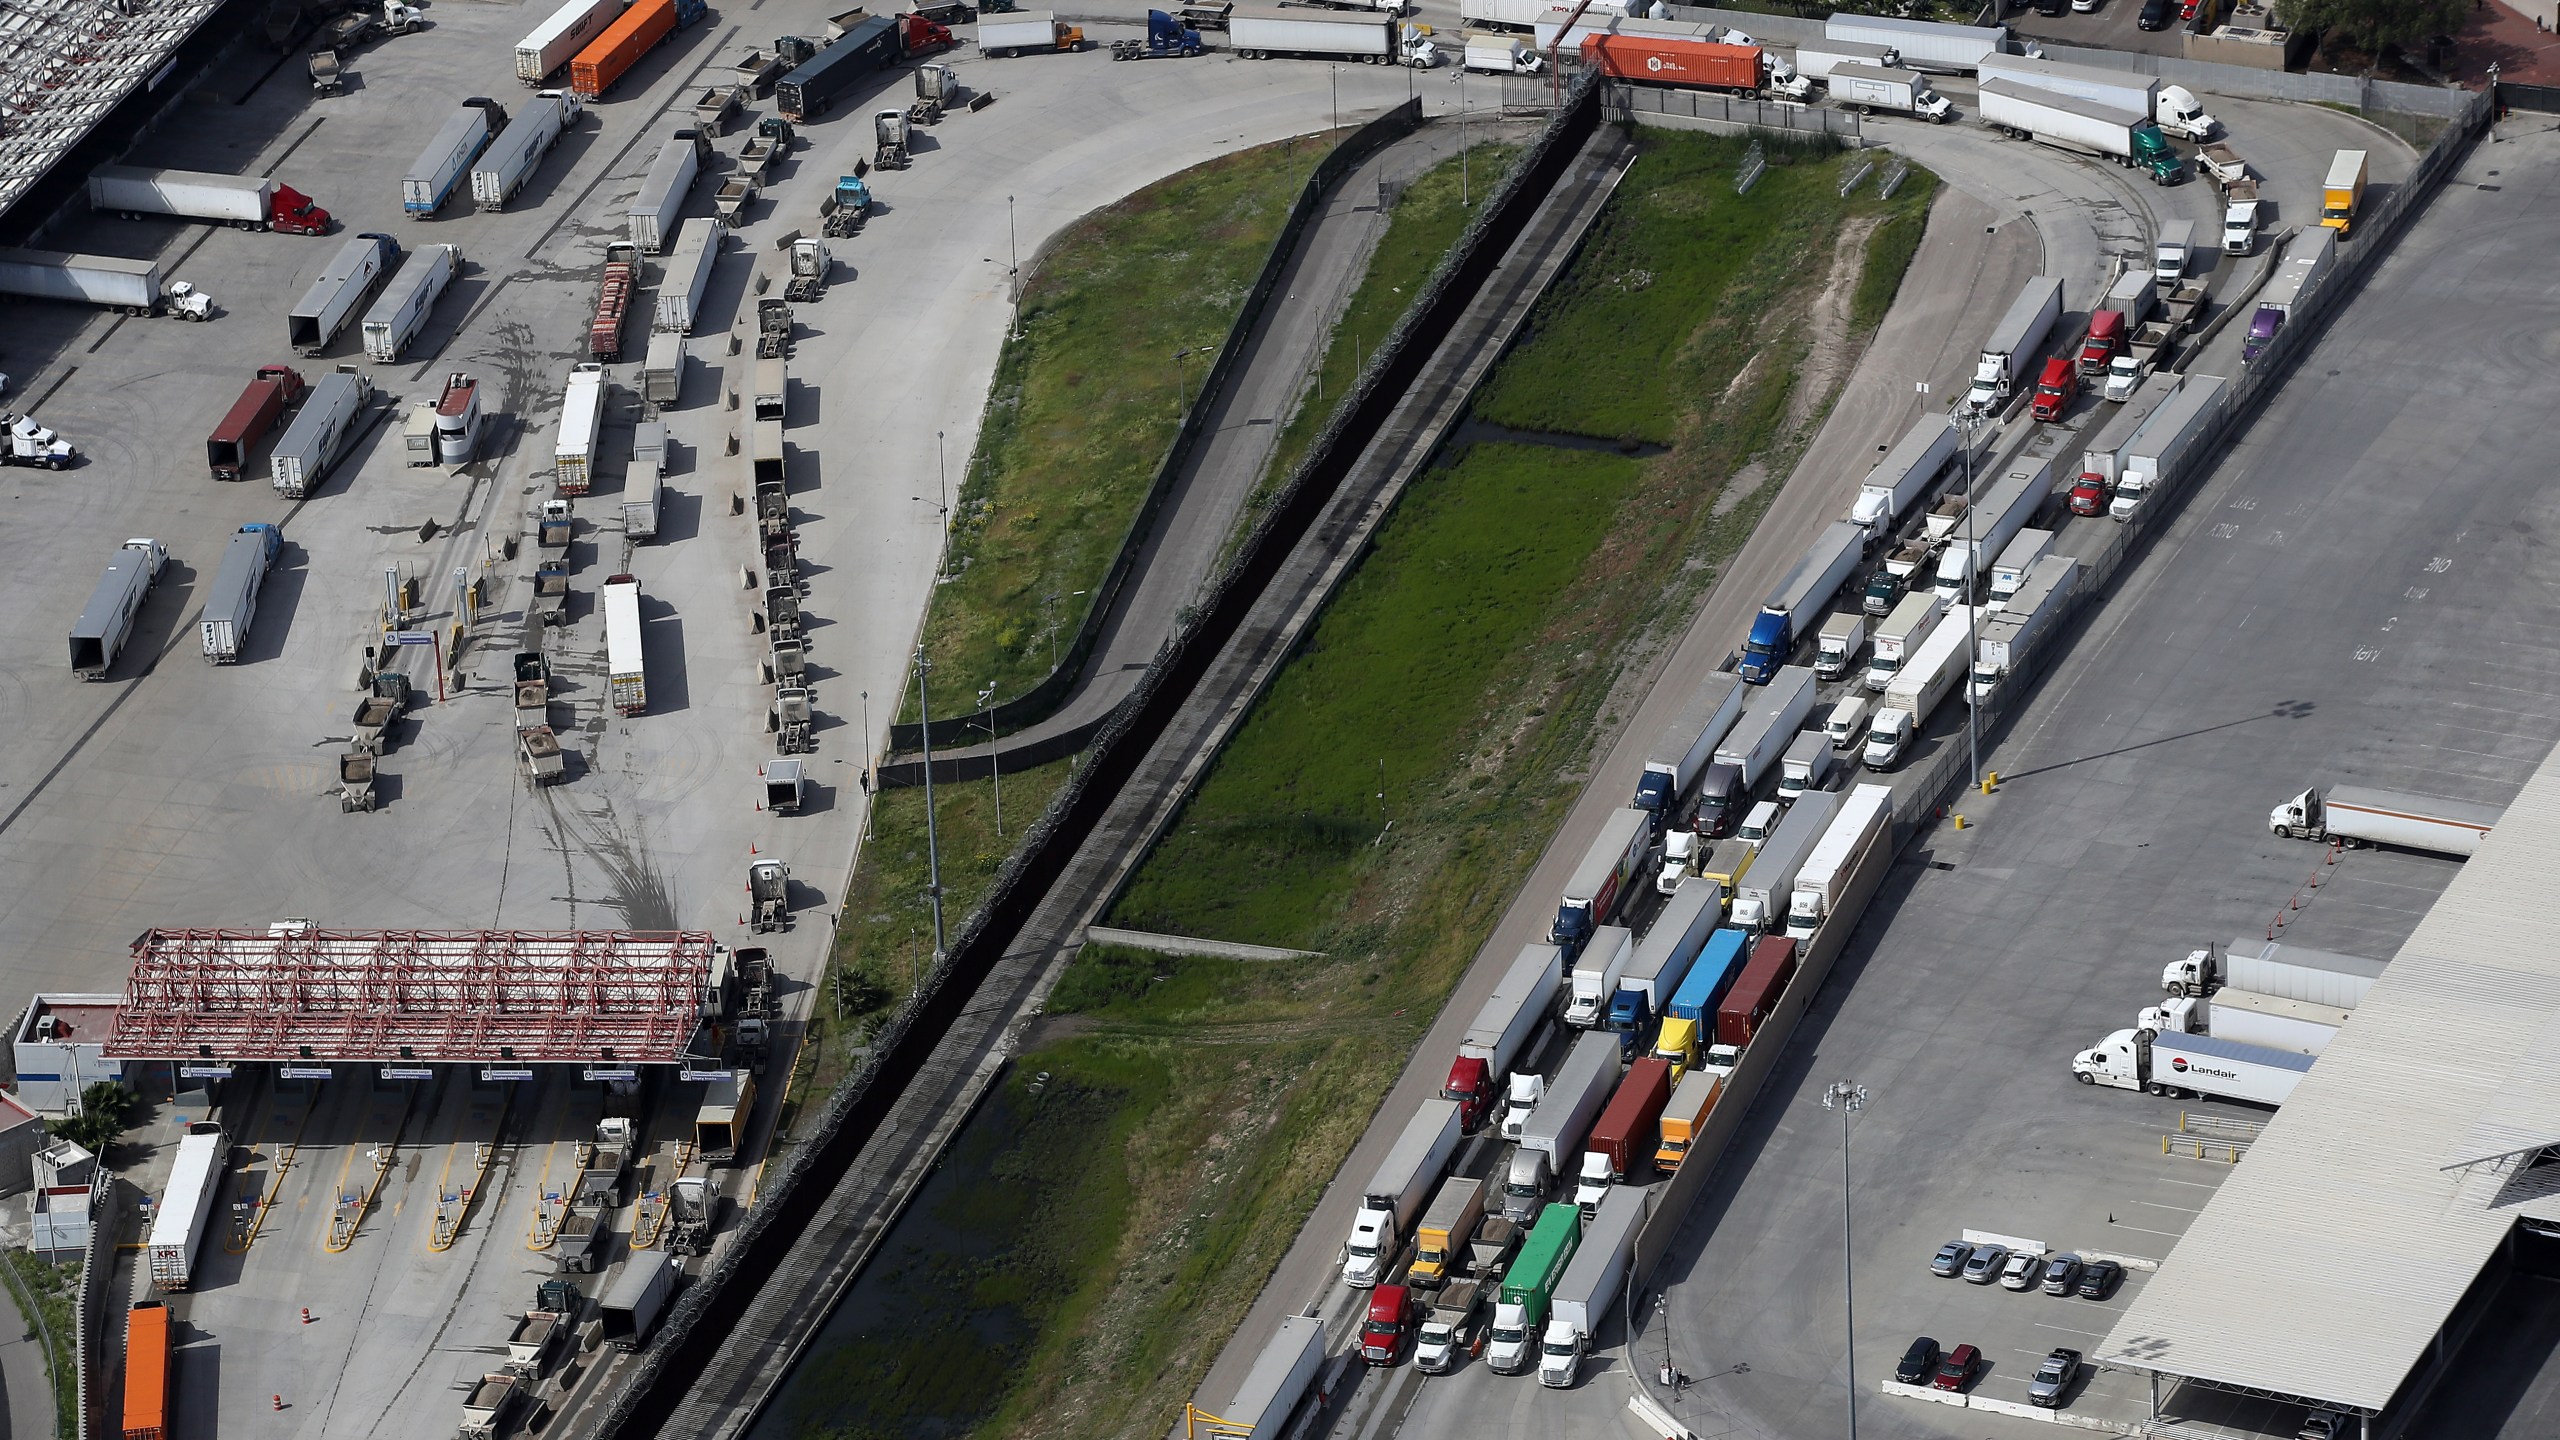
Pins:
x: 919, y: 37
x: 294, y: 213
x: 2089, y: 496
x: 1382, y: 1334
x: 1470, y: 1083
x: 2106, y: 337
x: 2055, y: 389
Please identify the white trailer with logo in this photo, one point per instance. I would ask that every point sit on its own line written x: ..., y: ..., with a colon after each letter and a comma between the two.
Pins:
x: 402, y: 312
x: 178, y: 1221
x: 319, y: 433
x: 556, y: 41
x: 512, y: 158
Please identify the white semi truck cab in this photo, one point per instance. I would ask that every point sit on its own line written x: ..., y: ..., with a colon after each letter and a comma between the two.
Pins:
x: 1373, y: 1240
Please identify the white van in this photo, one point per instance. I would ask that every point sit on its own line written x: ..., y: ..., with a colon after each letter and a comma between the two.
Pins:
x: 1847, y: 725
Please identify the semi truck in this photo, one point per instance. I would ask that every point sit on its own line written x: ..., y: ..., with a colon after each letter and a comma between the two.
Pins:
x: 512, y: 158
x: 2170, y: 251
x: 630, y: 1309
x: 1520, y: 1313
x: 1555, y: 1130
x: 178, y: 1221
x: 402, y: 312
x: 1595, y: 975
x: 319, y: 433
x: 1922, y: 44
x: 1662, y: 961
x: 2006, y: 638
x: 2020, y: 555
x: 1941, y: 660
x: 581, y: 417
x: 1693, y: 1006
x: 1864, y: 819
x: 2298, y: 272
x: 98, y: 636
x: 869, y: 47
x: 1630, y: 1121
x: 2115, y: 89
x: 1589, y: 1286
x: 2244, y: 1017
x: 687, y: 276
x: 447, y: 159
x: 1260, y: 32
x: 1794, y: 605
x: 1393, y: 1199
x: 2128, y: 302
x: 2356, y: 815
x: 249, y: 202
x: 132, y: 286
x: 1448, y: 1223
x: 650, y: 221
x: 2342, y: 191
x: 2083, y: 127
x: 274, y: 390
x: 150, y: 1372
x: 2200, y: 1066
x: 1913, y: 620
x: 1751, y: 751
x: 626, y: 667
x: 350, y: 279
x: 2160, y: 451
x: 2016, y: 344
x: 231, y: 606
x: 1905, y: 474
x: 558, y: 39
x: 1990, y: 524
x: 1684, y: 1116
x: 1271, y: 1391
x: 1760, y: 900
x: 1591, y: 895
x: 1755, y: 992
x: 1866, y: 90
x: 1687, y: 744
x: 1679, y: 62
x: 2265, y: 967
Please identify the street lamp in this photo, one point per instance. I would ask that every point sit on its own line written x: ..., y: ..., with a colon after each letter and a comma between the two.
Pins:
x: 1972, y: 613
x: 1182, y: 378
x: 1848, y: 1099
x: 932, y: 840
x: 995, y: 757
x: 1012, y: 245
x: 1460, y: 80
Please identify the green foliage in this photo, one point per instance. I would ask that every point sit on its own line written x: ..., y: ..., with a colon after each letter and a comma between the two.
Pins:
x: 103, y: 1110
x: 1890, y: 250
x: 2376, y: 25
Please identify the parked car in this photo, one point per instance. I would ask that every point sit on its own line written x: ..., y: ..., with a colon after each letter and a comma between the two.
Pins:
x: 1949, y: 1261
x: 1956, y: 1371
x: 2156, y: 14
x: 1984, y: 1266
x: 2021, y: 1271
x: 2062, y: 1274
x: 2085, y: 7
x: 2052, y: 1377
x: 2322, y: 1425
x: 1917, y: 1362
x: 2098, y: 1281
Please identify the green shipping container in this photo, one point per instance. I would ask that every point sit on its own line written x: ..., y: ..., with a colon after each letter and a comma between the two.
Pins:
x: 1532, y: 1278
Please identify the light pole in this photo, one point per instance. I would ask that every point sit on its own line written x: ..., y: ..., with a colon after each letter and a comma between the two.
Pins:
x: 1464, y: 145
x: 932, y: 839
x: 1972, y: 625
x: 1848, y: 1099
x: 1013, y: 246
x: 995, y: 757
x: 866, y: 739
x: 1182, y: 378
x: 1052, y: 602
x: 941, y: 476
x: 1337, y: 95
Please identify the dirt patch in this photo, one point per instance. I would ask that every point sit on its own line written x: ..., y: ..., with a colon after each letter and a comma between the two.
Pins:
x: 1828, y: 353
x: 1746, y: 480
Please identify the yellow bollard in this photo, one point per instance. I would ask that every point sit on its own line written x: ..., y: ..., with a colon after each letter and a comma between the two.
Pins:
x: 1959, y: 822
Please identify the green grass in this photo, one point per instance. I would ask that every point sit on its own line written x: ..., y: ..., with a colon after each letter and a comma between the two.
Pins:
x: 1889, y: 255
x: 1086, y: 397
x: 53, y: 1288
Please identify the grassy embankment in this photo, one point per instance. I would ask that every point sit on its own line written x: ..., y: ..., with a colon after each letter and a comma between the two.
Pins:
x: 1086, y: 397
x: 1469, y: 675
x: 52, y: 1287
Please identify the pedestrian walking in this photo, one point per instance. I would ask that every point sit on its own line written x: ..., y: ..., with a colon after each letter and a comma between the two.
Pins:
x: 1679, y: 1384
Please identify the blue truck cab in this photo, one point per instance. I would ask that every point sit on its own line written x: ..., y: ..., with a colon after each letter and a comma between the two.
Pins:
x: 1771, y: 641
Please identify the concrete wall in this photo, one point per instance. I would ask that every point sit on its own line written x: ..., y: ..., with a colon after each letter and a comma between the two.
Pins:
x: 1724, y: 114
x: 2250, y: 82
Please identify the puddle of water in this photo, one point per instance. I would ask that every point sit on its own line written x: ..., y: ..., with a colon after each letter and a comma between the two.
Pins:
x: 1473, y: 431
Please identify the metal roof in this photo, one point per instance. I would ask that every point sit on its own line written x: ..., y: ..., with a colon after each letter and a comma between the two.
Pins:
x: 2394, y: 1173
x: 64, y: 64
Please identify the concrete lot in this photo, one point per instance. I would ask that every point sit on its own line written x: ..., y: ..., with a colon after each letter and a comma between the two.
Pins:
x: 179, y: 793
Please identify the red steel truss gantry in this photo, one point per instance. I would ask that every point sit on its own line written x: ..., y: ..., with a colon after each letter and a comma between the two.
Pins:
x: 619, y: 997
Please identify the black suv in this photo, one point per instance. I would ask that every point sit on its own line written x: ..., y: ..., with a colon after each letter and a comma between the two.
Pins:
x: 2157, y: 14
x: 1917, y: 1362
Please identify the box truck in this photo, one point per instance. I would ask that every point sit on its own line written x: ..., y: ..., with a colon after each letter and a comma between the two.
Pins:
x: 512, y: 158
x: 1760, y: 900
x: 1791, y: 609
x: 1555, y: 1130
x: 2016, y: 558
x: 1837, y: 644
x: 402, y: 312
x: 2356, y: 815
x: 1662, y: 960
x: 1503, y: 55
x: 2191, y: 1066
x: 249, y: 202
x: 1509, y: 1018
x: 1990, y: 523
x: 1905, y: 474
x: 1448, y: 1222
x: 1685, y: 1116
x: 1864, y: 819
x: 1589, y: 1286
x: 1866, y: 90
x: 1942, y: 659
x: 447, y: 159
x: 1628, y: 1123
x: 1520, y: 1313
x: 2083, y: 127
x: 1595, y: 975
x: 319, y: 434
x: 1687, y: 744
x: 1693, y: 1006
x: 1591, y: 895
x: 344, y: 285
x: 1751, y: 751
x: 1805, y: 767
x: 1912, y: 621
x: 2004, y: 640
x: 178, y: 1221
x: 2158, y: 454
x: 1393, y: 1199
x: 231, y: 606
x: 2016, y: 344
x: 106, y: 622
x: 2342, y: 192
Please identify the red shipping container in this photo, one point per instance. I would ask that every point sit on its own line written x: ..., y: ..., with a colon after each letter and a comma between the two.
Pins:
x: 148, y: 1360
x: 1631, y: 1117
x: 1764, y: 979
x: 645, y: 24
x: 1689, y: 64
x: 250, y: 418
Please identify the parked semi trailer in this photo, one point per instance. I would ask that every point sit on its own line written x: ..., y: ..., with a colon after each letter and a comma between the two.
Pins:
x: 231, y: 606
x: 402, y: 312
x: 512, y: 158
x: 2361, y: 816
x: 2246, y: 1018
x: 1792, y: 609
x: 1816, y: 59
x: 2083, y: 127
x: 106, y: 622
x: 651, y: 217
x: 1687, y: 743
x: 686, y: 276
x: 132, y: 286
x: 447, y: 159
x: 1922, y: 44
x: 2116, y: 89
x: 319, y: 433
x: 1904, y: 475
x: 626, y: 664
x: 247, y: 201
x: 558, y: 39
x: 1393, y: 1199
x: 2191, y: 1065
x: 628, y: 1312
x: 263, y: 401
x: 178, y: 1221
x: 2266, y: 967
x: 345, y: 284
x: 815, y: 86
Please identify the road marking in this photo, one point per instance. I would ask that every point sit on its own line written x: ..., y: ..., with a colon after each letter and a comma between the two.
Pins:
x: 2071, y: 1330
x: 2168, y: 1234
x: 2199, y: 1184
x: 2512, y: 690
x: 2165, y: 1205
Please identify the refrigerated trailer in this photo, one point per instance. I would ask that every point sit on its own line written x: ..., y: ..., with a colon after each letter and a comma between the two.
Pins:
x: 512, y: 158
x: 2191, y: 1065
x: 105, y: 623
x: 402, y: 312
x: 250, y: 202
x: 319, y: 433
x: 178, y: 1221
x: 133, y: 286
x: 447, y: 159
x: 2357, y: 815
x: 687, y: 275
x: 581, y: 417
x: 2265, y: 967
x: 231, y: 606
x: 351, y: 278
x: 626, y: 667
x: 556, y: 41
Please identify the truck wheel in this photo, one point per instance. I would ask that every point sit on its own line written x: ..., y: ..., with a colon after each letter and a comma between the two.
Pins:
x: 2178, y: 991
x: 2156, y: 1088
x: 2084, y: 1077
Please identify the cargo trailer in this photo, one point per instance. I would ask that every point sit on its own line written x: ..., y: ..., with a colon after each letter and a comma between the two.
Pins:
x: 1589, y: 1286
x: 350, y: 279
x: 512, y: 158
x: 1595, y: 973
x: 1687, y: 743
x: 2116, y: 89
x: 2358, y: 815
x: 1624, y: 1133
x: 1269, y: 1396
x: 2083, y: 127
x: 1760, y: 899
x: 447, y: 159
x: 1996, y: 517
x: 2007, y: 638
x: 641, y: 28
x: 1816, y: 59
x: 1864, y: 820
x: 557, y: 40
x: 106, y: 622
x: 1678, y: 63
x: 1793, y: 608
x: 1755, y: 993
x: 1555, y: 1129
x: 319, y: 434
x: 819, y: 83
x: 1904, y: 474
x: 1688, y: 1021
x: 626, y: 666
x: 1662, y: 959
x: 1392, y: 1200
x: 2264, y: 967
x: 402, y: 312
x: 581, y: 420
x: 150, y: 1372
x: 651, y: 217
x: 262, y: 402
x: 1528, y: 1287
x: 662, y: 369
x: 630, y: 1309
x: 1922, y: 44
x: 1259, y: 33
x: 249, y: 202
x: 2191, y: 1065
x: 687, y: 276
x: 1504, y: 1025
x: 2160, y: 453
x: 1750, y: 752
x: 178, y: 1221
x: 231, y: 606
x: 1592, y: 893
x: 132, y: 286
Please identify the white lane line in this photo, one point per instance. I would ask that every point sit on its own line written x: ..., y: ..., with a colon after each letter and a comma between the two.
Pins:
x: 2512, y: 690
x: 2198, y: 1184
x: 2072, y: 1330
x: 2166, y: 1234
x: 2165, y: 1205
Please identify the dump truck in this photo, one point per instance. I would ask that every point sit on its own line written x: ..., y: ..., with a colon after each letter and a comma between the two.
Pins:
x: 533, y: 684
x: 247, y: 202
x: 606, y: 1163
x: 713, y: 106
x: 693, y: 1213
x: 582, y: 1243
x: 355, y: 781
x: 538, y: 747
x: 769, y: 895
x: 792, y: 714
x: 378, y: 710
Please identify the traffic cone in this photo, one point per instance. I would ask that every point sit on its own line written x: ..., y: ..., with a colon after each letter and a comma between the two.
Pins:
x: 306, y: 1314
x: 279, y: 1401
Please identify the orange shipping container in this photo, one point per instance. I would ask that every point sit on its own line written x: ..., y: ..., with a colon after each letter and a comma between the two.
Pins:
x: 147, y: 1366
x: 1691, y: 64
x: 645, y: 24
